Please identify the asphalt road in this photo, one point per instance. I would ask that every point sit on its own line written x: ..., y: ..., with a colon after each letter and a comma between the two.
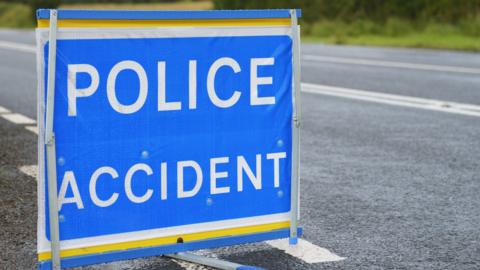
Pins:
x: 386, y: 187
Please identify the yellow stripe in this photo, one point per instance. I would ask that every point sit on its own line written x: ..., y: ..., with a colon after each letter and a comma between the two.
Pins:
x: 167, y: 240
x: 44, y: 23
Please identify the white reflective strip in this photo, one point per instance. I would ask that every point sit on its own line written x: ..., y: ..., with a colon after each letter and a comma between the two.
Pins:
x: 162, y: 32
x: 390, y: 64
x: 19, y: 119
x: 161, y: 232
x: 397, y: 100
x: 305, y: 251
x: 4, y: 110
x: 16, y: 46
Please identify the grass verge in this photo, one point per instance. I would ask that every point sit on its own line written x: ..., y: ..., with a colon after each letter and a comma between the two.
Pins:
x: 415, y: 40
x: 13, y: 15
x: 18, y: 15
x: 464, y: 35
x: 182, y: 5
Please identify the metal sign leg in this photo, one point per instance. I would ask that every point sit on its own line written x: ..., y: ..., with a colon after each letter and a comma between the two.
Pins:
x: 211, y: 262
x: 295, y: 179
x: 50, y: 145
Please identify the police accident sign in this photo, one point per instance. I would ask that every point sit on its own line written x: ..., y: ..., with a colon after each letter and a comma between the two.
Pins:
x: 167, y: 129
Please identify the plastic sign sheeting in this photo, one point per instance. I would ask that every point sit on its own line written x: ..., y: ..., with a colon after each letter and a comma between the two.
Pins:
x: 167, y: 133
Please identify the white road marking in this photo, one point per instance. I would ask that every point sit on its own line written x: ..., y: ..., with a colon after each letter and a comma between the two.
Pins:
x: 17, y: 118
x: 8, y: 116
x: 306, y: 251
x: 391, y: 64
x: 33, y: 129
x: 16, y: 46
x: 30, y: 170
x: 397, y: 100
x: 4, y: 110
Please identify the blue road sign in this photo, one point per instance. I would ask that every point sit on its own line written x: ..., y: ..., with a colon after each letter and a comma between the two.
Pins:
x: 163, y: 133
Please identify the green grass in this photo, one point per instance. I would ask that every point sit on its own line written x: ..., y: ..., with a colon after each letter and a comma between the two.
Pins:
x: 464, y: 35
x: 14, y: 15
x: 414, y: 40
x: 180, y: 5
x: 18, y: 15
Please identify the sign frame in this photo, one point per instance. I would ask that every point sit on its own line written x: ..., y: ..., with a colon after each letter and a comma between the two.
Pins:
x: 47, y: 136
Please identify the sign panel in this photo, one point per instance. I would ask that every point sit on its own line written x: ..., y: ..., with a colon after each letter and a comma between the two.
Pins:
x: 166, y: 134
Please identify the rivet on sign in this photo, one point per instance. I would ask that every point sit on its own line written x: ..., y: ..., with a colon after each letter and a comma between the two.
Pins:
x: 280, y: 143
x: 280, y: 193
x: 61, y: 161
x: 145, y: 154
x: 209, y: 201
x: 61, y: 218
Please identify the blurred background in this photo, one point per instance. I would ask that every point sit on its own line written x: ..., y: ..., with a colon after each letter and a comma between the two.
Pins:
x: 439, y: 24
x: 390, y: 136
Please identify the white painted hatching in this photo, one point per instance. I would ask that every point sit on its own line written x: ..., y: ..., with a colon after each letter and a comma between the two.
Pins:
x: 305, y: 251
